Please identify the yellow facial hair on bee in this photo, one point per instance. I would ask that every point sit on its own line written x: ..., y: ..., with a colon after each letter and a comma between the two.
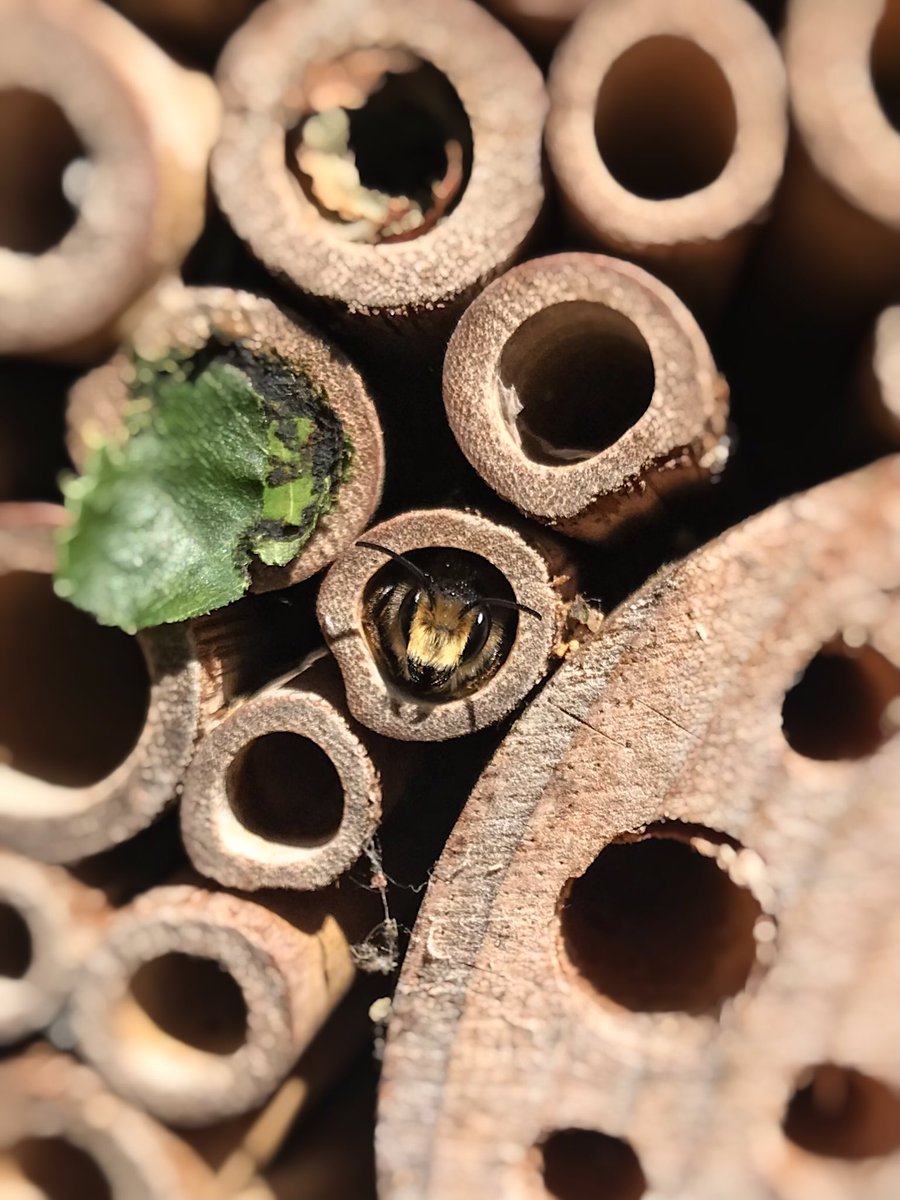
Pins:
x: 438, y: 633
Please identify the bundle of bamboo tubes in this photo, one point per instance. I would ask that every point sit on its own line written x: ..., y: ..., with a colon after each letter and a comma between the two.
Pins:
x: 449, y: 599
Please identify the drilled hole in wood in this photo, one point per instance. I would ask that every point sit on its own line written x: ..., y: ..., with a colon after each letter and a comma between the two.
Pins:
x: 885, y: 62
x: 693, y: 925
x: 842, y: 705
x: 581, y: 1164
x: 574, y: 378
x: 193, y: 1000
x: 15, y: 942
x: 51, y: 1168
x: 451, y: 655
x: 839, y: 1112
x: 37, y: 146
x: 665, y: 120
x: 285, y: 788
x: 73, y: 694
x: 384, y: 148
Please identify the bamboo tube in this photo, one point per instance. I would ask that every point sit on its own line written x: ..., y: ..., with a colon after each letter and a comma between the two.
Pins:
x: 287, y: 791
x: 97, y: 727
x: 197, y: 1004
x: 581, y: 389
x: 674, y: 890
x: 426, y: 88
x: 835, y: 242
x: 190, y: 320
x: 105, y: 142
x: 667, y: 133
x: 377, y: 696
x: 48, y: 922
x: 63, y: 1134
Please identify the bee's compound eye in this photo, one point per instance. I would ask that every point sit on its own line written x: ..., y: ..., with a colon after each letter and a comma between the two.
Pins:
x: 478, y: 635
x: 411, y: 602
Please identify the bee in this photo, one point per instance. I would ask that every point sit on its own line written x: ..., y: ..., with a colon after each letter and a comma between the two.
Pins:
x: 437, y: 632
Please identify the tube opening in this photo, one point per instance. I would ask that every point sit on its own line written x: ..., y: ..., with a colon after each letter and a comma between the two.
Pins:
x: 285, y: 788
x: 191, y: 999
x: 844, y: 705
x: 73, y: 694
x: 665, y: 121
x: 582, y: 1164
x: 839, y: 1112
x: 384, y: 148
x: 574, y: 378
x: 43, y: 163
x: 51, y: 1168
x: 885, y: 62
x: 443, y: 640
x: 694, y: 925
x: 16, y: 947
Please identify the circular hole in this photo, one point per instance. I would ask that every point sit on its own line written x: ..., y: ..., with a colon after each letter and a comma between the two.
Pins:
x: 665, y: 121
x: 16, y: 948
x: 285, y: 788
x: 428, y: 645
x: 37, y: 144
x: 384, y: 148
x: 885, y: 62
x: 50, y: 1168
x: 575, y: 377
x: 839, y: 706
x: 194, y: 1000
x: 581, y: 1164
x: 73, y: 694
x: 693, y: 926
x: 840, y: 1112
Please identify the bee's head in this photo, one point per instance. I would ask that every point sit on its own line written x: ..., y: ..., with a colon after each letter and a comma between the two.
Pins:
x: 443, y: 638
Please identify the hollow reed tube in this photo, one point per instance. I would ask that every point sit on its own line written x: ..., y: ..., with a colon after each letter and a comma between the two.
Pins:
x: 581, y: 389
x: 104, y: 143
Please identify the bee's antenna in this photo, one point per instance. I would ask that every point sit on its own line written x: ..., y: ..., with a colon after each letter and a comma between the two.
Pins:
x: 496, y: 602
x: 426, y: 581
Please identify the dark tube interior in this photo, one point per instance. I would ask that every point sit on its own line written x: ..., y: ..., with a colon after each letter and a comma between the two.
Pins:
x: 841, y: 706
x: 284, y: 787
x: 583, y: 375
x: 885, y: 62
x: 193, y: 1000
x: 665, y: 121
x: 583, y: 1164
x: 15, y: 942
x: 693, y: 924
x: 397, y: 123
x: 37, y: 143
x: 839, y: 1112
x: 52, y: 1168
x: 73, y: 694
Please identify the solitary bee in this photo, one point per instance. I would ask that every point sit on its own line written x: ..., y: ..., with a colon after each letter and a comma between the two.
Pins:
x: 437, y: 631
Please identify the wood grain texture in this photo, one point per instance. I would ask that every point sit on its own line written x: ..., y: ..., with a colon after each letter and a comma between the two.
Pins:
x: 146, y: 127
x: 505, y: 1028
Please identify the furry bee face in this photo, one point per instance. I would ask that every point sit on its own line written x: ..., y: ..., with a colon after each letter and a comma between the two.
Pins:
x: 437, y: 632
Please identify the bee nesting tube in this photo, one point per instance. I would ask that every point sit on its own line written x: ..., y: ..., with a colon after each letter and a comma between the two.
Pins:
x: 361, y: 622
x: 97, y: 727
x: 104, y: 142
x: 581, y: 389
x: 667, y: 133
x: 880, y: 384
x: 836, y: 228
x: 370, y: 153
x: 207, y: 325
x: 196, y: 1004
x: 287, y: 791
x: 63, y: 1134
x: 48, y: 922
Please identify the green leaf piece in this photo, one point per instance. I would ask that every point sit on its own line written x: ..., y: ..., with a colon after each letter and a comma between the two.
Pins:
x: 226, y: 456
